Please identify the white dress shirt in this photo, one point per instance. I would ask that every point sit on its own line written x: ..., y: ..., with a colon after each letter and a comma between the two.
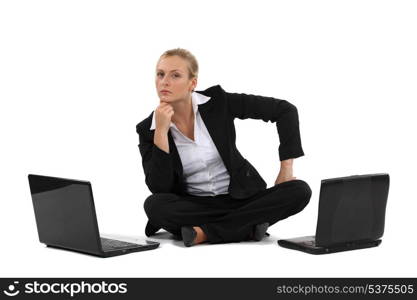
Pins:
x: 203, y: 169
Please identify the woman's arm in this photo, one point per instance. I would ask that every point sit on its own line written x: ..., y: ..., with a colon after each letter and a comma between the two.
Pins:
x: 278, y: 111
x: 157, y: 163
x: 281, y: 112
x: 156, y: 158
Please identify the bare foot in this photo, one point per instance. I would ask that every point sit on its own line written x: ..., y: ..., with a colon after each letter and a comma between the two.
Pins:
x: 201, y: 236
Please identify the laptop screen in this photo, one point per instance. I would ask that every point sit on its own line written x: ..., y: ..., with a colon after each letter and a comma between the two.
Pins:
x: 352, y: 209
x: 65, y: 213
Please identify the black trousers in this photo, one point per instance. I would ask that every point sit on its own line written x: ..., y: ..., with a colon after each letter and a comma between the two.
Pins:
x: 223, y: 218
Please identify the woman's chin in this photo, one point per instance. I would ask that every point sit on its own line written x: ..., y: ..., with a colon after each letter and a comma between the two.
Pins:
x: 165, y: 99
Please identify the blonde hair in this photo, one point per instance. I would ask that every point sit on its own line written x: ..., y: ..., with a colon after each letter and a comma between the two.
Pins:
x: 188, y: 56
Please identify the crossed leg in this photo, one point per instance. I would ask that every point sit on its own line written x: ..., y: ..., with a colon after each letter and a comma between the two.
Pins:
x: 222, y: 218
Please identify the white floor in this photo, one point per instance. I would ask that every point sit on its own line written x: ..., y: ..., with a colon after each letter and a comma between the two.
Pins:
x: 393, y: 258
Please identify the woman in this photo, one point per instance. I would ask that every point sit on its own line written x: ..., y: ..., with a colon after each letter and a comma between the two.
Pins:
x: 202, y: 188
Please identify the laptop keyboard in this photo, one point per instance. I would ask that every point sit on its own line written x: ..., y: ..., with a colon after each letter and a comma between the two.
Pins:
x: 109, y: 244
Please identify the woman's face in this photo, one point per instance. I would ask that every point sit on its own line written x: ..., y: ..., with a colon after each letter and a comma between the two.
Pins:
x: 172, y: 76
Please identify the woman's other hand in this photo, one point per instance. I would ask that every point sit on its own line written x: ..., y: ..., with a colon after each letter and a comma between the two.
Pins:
x: 286, y: 172
x: 163, y: 115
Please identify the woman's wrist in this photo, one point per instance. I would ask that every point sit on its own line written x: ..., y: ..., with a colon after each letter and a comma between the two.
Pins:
x: 161, y: 140
x: 287, y: 164
x: 160, y: 133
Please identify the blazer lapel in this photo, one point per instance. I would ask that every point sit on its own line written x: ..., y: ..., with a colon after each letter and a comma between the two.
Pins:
x: 217, y: 131
x: 177, y: 160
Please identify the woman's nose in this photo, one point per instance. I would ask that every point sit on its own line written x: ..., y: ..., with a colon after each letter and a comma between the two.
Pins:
x: 165, y: 80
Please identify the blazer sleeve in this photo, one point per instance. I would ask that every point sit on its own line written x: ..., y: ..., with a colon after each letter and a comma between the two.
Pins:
x: 281, y: 112
x: 157, y: 165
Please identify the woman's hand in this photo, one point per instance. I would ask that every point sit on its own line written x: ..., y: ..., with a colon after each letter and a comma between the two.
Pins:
x: 163, y: 115
x: 286, y: 172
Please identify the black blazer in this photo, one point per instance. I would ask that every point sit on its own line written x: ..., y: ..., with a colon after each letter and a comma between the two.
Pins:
x: 164, y: 172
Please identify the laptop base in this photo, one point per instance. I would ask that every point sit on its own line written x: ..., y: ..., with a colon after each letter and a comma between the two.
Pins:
x: 150, y: 245
x: 307, y: 244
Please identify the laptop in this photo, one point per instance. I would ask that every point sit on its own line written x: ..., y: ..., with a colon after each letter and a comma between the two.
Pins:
x: 66, y: 218
x: 351, y: 215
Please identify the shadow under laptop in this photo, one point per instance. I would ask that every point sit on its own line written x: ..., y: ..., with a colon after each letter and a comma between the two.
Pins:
x: 65, y: 251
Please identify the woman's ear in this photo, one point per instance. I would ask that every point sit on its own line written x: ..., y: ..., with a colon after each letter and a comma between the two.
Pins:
x: 194, y: 84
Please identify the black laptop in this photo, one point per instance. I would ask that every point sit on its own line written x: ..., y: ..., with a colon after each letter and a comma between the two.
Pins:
x: 66, y: 218
x: 351, y: 215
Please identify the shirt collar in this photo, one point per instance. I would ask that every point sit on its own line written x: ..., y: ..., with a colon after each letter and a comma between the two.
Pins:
x: 196, y: 99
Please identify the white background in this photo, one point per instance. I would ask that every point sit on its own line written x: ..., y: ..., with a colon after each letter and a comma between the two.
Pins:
x: 77, y: 76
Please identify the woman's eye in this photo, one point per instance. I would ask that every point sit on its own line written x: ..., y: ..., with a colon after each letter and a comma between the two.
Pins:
x: 162, y: 74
